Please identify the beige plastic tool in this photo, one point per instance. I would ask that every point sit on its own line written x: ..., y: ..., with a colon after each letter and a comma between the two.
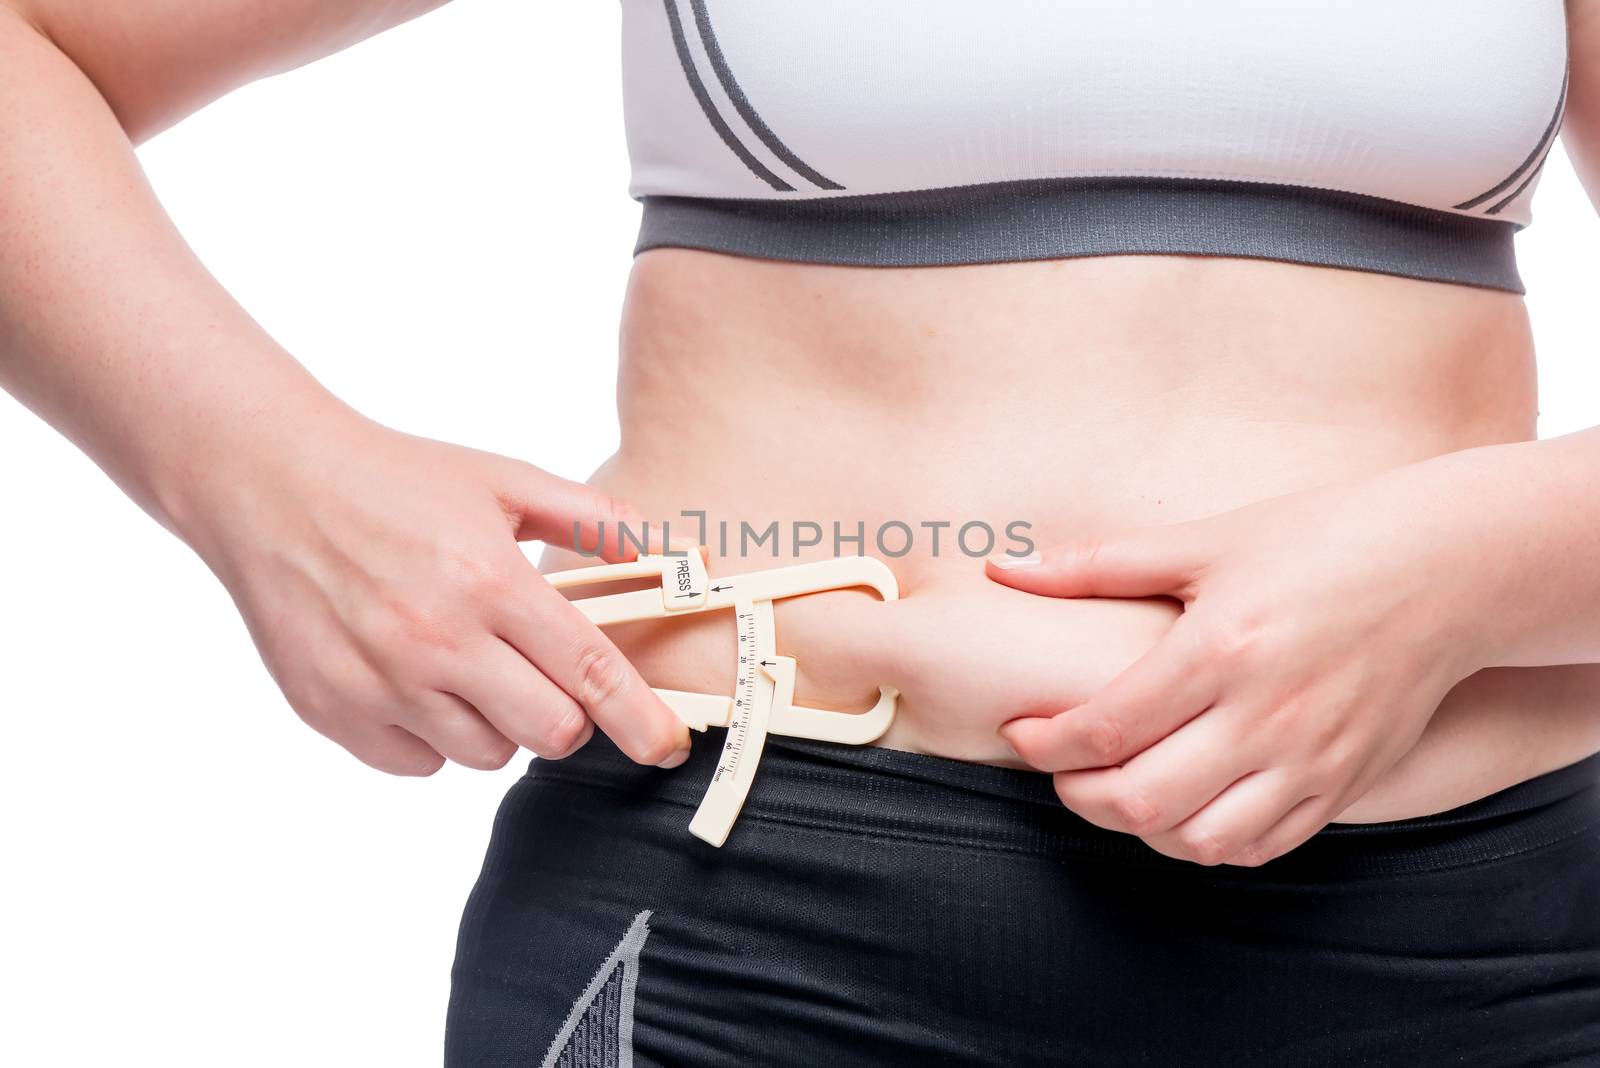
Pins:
x: 762, y: 701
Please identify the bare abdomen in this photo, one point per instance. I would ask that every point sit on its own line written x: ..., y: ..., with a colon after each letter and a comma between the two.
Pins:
x: 1068, y: 397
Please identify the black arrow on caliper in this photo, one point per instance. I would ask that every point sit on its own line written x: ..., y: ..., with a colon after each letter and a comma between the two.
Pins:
x: 769, y: 663
x: 719, y: 589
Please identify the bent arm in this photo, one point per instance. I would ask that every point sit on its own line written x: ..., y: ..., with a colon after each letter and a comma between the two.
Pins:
x: 110, y: 328
x: 1531, y: 507
x: 378, y: 573
x: 156, y: 61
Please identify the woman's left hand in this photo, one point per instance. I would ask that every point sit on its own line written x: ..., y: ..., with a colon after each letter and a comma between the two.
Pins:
x: 1321, y: 630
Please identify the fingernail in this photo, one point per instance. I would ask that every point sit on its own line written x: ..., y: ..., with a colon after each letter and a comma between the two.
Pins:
x: 1007, y: 562
x: 675, y: 760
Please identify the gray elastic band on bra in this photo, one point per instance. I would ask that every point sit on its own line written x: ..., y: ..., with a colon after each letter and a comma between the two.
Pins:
x: 1054, y: 218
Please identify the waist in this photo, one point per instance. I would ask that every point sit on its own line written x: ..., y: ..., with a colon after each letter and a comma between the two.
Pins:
x: 1183, y: 361
x: 783, y: 406
x: 782, y: 411
x: 889, y: 795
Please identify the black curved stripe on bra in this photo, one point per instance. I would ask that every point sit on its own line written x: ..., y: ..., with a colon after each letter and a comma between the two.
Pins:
x: 698, y: 87
x: 1526, y: 182
x: 1533, y: 158
x: 730, y: 85
x: 1521, y: 189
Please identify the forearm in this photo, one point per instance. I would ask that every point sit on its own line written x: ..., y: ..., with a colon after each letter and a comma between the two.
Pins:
x: 1519, y: 527
x: 110, y: 328
x: 1530, y: 511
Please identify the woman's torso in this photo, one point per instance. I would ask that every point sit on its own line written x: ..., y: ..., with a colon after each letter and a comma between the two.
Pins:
x: 1073, y: 395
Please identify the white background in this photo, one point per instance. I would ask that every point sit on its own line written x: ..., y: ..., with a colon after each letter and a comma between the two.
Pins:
x: 437, y: 224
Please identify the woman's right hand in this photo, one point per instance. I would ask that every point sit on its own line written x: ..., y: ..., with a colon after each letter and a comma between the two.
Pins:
x: 378, y: 573
x: 380, y: 576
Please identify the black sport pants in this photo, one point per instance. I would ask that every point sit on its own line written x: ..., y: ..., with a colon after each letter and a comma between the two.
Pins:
x: 881, y: 908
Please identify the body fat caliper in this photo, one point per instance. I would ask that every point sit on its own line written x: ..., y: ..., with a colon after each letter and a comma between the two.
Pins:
x: 762, y: 701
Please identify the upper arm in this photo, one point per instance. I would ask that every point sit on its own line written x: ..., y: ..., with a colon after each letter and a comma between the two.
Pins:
x: 1580, y: 130
x: 156, y: 61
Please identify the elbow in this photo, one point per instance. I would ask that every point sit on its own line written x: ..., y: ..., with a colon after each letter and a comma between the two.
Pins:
x: 133, y: 98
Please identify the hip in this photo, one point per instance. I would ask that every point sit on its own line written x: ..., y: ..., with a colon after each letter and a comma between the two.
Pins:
x: 967, y: 655
x: 930, y: 480
x: 875, y: 906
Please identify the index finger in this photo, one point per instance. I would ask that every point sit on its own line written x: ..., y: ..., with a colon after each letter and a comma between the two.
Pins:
x: 558, y: 639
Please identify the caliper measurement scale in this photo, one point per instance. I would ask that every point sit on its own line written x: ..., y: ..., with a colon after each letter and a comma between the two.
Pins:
x: 753, y: 688
x: 762, y: 701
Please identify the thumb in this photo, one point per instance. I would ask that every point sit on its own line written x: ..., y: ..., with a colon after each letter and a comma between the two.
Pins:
x: 1143, y: 562
x: 571, y: 515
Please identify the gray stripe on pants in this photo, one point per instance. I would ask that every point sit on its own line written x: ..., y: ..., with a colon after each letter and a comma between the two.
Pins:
x: 598, y: 1032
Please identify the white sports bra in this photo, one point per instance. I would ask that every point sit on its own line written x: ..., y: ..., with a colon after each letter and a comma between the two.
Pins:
x: 1405, y: 138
